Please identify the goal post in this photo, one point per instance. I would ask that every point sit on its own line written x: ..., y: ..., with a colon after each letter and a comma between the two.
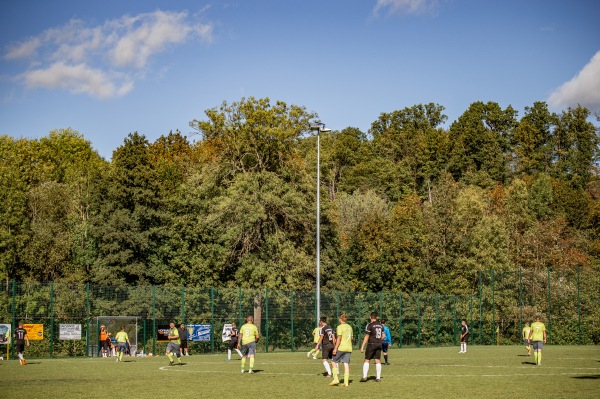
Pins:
x: 113, y: 325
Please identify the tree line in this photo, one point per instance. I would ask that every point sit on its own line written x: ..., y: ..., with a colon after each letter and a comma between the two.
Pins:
x: 414, y: 204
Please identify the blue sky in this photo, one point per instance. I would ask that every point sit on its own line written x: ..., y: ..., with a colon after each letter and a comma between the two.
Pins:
x: 110, y: 68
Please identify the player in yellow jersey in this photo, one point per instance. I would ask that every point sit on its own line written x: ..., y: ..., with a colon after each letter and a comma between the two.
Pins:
x: 122, y: 341
x: 315, y: 351
x: 173, y: 345
x: 537, y: 335
x: 342, y: 351
x: 526, y: 341
x: 247, y: 340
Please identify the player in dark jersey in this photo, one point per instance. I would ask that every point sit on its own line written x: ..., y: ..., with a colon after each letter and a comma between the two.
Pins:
x: 374, y: 335
x: 233, y: 342
x: 464, y: 337
x: 327, y: 343
x: 21, y: 339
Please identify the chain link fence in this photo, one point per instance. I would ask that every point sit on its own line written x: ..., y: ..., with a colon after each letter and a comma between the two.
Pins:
x: 567, y: 300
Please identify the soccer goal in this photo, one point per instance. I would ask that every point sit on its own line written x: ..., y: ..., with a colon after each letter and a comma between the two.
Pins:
x: 113, y: 325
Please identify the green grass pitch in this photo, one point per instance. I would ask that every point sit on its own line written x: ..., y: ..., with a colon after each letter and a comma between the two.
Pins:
x: 484, y: 371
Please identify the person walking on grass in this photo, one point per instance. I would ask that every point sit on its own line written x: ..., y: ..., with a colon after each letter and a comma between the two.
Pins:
x: 247, y: 340
x: 21, y: 339
x: 525, y: 335
x: 464, y: 336
x: 537, y: 336
x: 327, y: 343
x: 173, y: 345
x: 122, y: 342
x: 342, y: 351
x: 233, y: 342
x: 387, y: 341
x: 374, y: 337
x: 315, y: 351
x: 183, y: 337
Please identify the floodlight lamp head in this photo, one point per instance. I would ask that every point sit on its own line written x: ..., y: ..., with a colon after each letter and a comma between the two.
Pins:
x: 324, y: 130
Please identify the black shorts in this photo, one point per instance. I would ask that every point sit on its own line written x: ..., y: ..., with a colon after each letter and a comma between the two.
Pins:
x: 327, y: 352
x: 183, y: 344
x: 465, y: 339
x: 20, y: 347
x: 232, y: 344
x: 373, y: 351
x: 384, y: 346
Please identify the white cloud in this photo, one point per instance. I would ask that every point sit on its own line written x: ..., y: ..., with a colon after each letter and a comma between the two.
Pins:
x: 78, y: 78
x: 405, y: 6
x: 583, y: 89
x: 103, y: 60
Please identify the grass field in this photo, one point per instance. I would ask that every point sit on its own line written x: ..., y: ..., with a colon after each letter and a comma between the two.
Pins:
x: 484, y: 371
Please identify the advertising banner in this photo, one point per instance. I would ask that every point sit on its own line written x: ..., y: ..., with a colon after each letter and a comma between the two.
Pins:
x: 35, y: 332
x: 4, y: 334
x: 226, y: 335
x: 199, y: 332
x: 69, y: 332
x: 162, y: 335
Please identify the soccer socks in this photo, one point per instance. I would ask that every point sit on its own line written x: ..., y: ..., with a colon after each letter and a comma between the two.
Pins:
x: 251, y: 364
x: 239, y: 353
x: 535, y: 356
x: 170, y: 356
x: 346, y: 379
x: 385, y: 357
x: 228, y: 354
x: 327, y: 367
x: 539, y: 357
x: 316, y: 353
x: 120, y: 356
x: 365, y: 369
x: 243, y: 363
x: 378, y: 370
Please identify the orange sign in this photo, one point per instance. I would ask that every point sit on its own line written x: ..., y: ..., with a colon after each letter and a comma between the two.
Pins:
x: 35, y: 332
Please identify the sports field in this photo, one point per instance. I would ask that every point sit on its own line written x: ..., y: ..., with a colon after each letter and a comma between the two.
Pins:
x: 484, y: 371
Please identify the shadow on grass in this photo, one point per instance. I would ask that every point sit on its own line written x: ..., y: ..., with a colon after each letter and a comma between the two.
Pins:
x: 523, y: 355
x: 587, y: 377
x: 532, y: 363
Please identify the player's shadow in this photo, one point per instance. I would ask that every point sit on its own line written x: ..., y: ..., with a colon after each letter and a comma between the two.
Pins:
x: 523, y: 355
x: 254, y: 371
x: 532, y: 363
x: 587, y: 377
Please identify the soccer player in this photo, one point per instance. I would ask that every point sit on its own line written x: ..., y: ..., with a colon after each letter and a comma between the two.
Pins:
x: 525, y: 335
x: 233, y: 342
x: 374, y: 336
x: 464, y: 336
x: 21, y: 339
x: 173, y: 345
x: 387, y: 341
x: 327, y: 343
x: 537, y: 336
x: 342, y: 351
x: 103, y: 336
x: 316, y: 336
x: 122, y: 341
x: 183, y: 336
x: 248, y: 337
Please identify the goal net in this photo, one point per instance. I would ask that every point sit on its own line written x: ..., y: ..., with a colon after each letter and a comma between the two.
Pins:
x: 113, y: 325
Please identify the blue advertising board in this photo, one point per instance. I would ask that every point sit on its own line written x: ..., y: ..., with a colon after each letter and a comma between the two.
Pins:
x: 198, y: 332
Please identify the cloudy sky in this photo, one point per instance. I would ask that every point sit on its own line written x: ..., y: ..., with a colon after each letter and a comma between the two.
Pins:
x: 110, y: 68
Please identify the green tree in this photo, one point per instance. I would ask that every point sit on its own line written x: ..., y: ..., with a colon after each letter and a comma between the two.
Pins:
x: 532, y: 140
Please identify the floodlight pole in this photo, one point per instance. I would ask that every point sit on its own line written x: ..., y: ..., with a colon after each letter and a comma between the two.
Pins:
x: 319, y: 128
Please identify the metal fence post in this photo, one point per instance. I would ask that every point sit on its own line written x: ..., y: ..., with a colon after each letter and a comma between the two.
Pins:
x: 418, y: 320
x: 380, y: 304
x: 87, y: 319
x: 267, y: 319
x: 154, y: 319
x: 51, y: 318
x: 240, y: 306
x: 212, y: 320
x: 436, y: 318
x: 454, y: 320
x: 182, y: 304
x: 400, y: 317
x: 549, y: 309
x: 493, y: 310
x: 521, y: 304
x: 14, y: 311
x: 292, y: 316
x: 480, y: 308
x: 578, y: 309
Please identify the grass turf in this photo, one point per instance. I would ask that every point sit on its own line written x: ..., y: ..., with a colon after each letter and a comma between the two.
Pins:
x: 484, y: 371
